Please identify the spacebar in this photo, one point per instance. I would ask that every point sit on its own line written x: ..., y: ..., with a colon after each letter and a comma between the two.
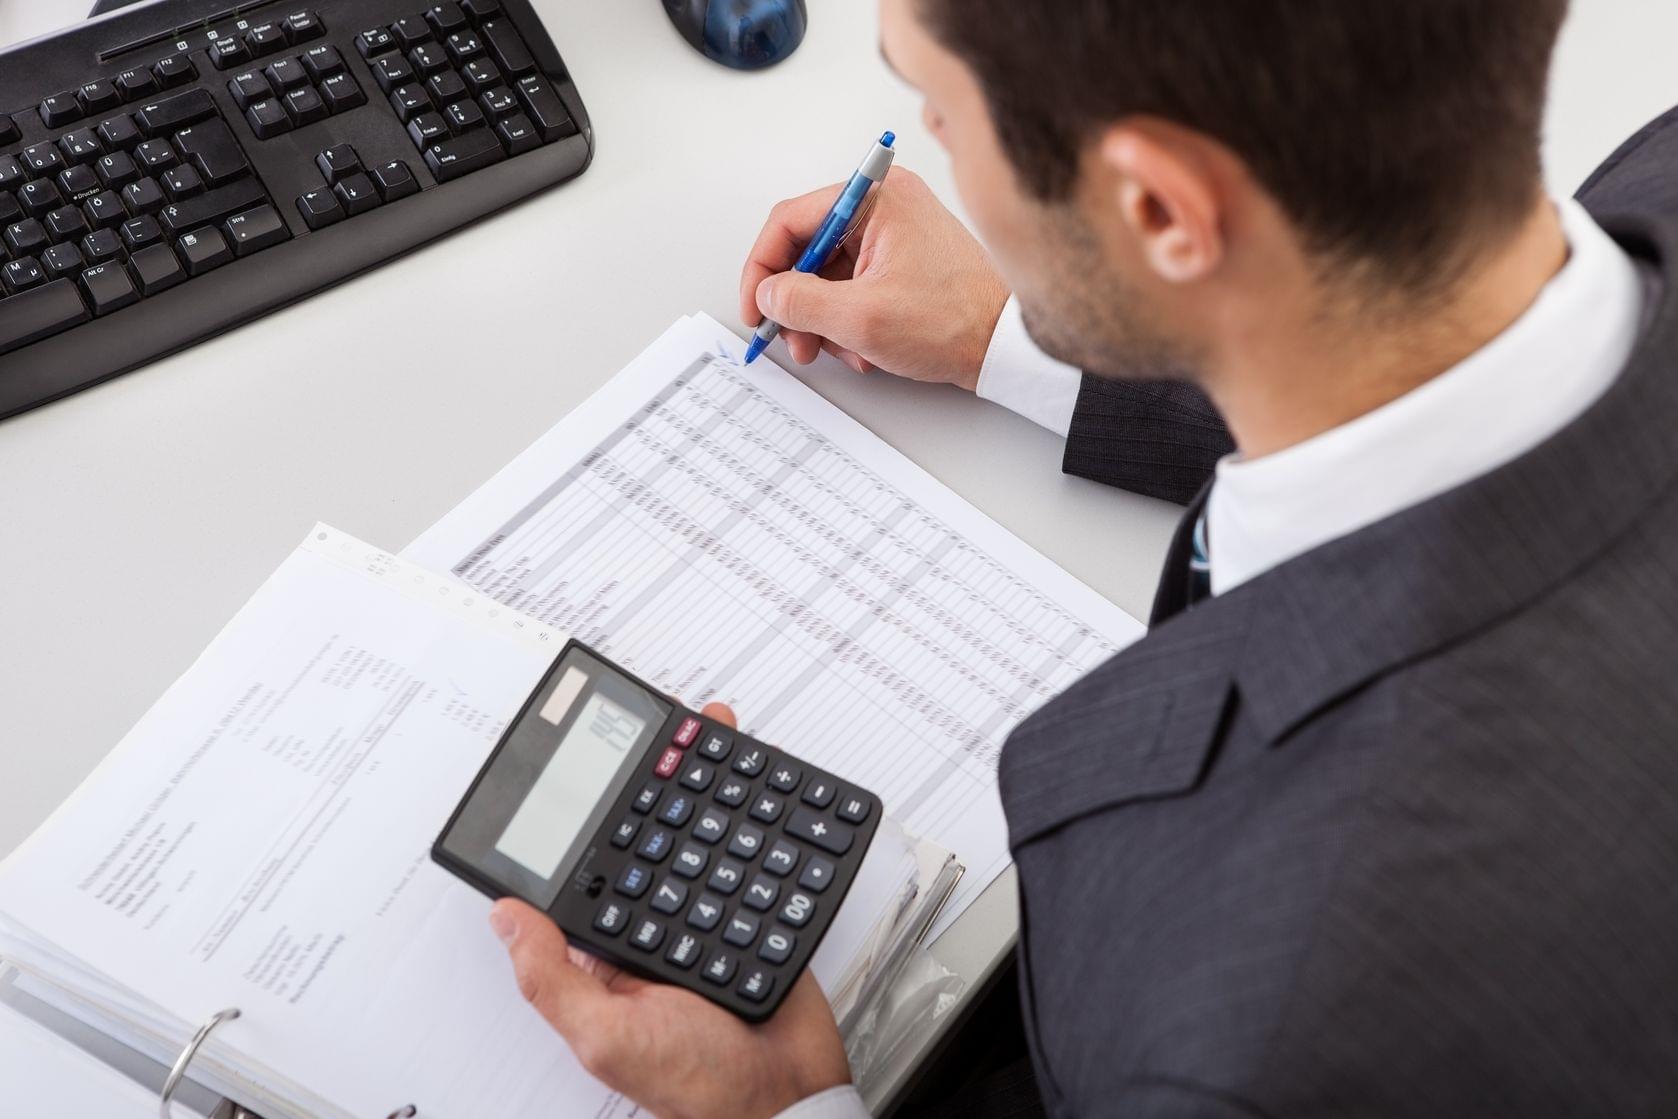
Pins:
x: 34, y: 314
x: 223, y: 202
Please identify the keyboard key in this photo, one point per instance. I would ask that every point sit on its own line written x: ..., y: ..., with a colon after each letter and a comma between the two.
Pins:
x: 777, y: 947
x: 340, y: 93
x: 108, y: 287
x: 687, y: 732
x: 203, y: 250
x: 518, y: 135
x: 21, y: 275
x: 98, y: 96
x: 392, y: 71
x: 411, y: 31
x: 726, y: 878
x: 104, y: 210
x: 780, y: 859
x: 625, y: 833
x: 668, y: 762
x: 338, y: 161
x: 156, y: 268
x: 679, y: 808
x: 633, y: 881
x: 304, y: 106
x: 119, y: 132
x: 409, y: 101
x: 182, y: 182
x: 117, y: 169
x: 394, y: 181
x: 80, y: 146
x: 691, y: 860
x: 211, y: 148
x: 10, y: 211
x: 506, y: 48
x: 446, y: 18
x: 741, y: 930
x: 166, y: 115
x: 612, y: 918
x: 747, y: 842
x: 647, y: 799
x: 102, y: 245
x: 228, y: 53
x: 9, y: 132
x: 156, y: 156
x: 320, y: 208
x: 11, y: 172
x: 655, y: 846
x: 819, y: 792
x: 720, y: 968
x: 62, y: 260
x: 481, y: 10
x: 546, y: 110
x: 39, y: 196
x: 798, y: 910
x: 711, y: 827
x: 498, y: 101
x: 26, y: 237
x: 684, y: 950
x: 818, y: 872
x: 135, y: 84
x: 143, y: 197
x: 761, y: 893
x: 66, y: 224
x: 268, y: 119
x: 428, y: 58
x: 733, y: 792
x: 669, y: 897
x: 755, y: 985
x: 464, y: 116
x: 648, y: 935
x: 751, y: 763
x: 706, y: 913
x: 463, y: 46
x: 323, y: 61
x: 375, y: 41
x: 265, y: 38
x: 853, y: 809
x: 40, y: 313
x: 255, y: 229
x: 303, y: 25
x: 444, y: 87
x: 175, y: 70
x: 284, y: 74
x: 808, y: 825
x: 75, y: 181
x: 139, y: 232
x: 697, y: 776
x: 60, y: 109
x: 42, y: 159
x: 766, y: 809
x: 784, y: 777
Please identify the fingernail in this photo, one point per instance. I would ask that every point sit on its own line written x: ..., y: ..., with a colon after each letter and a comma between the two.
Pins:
x: 504, y: 925
x: 853, y: 361
x: 766, y: 295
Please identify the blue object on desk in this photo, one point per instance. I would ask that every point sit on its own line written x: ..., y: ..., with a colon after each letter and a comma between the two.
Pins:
x: 744, y: 34
x: 840, y: 219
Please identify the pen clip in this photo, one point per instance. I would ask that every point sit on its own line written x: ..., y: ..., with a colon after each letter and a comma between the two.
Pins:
x: 862, y: 214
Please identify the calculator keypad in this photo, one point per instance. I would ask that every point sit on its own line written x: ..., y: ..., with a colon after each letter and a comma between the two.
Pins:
x: 728, y: 847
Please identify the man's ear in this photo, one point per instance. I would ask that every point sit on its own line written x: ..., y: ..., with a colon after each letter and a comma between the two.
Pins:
x: 1168, y: 199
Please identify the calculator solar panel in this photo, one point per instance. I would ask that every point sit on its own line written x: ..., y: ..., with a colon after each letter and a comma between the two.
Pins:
x: 280, y: 145
x: 688, y: 852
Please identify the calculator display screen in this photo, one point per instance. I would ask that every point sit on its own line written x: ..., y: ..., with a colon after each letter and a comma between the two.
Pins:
x: 567, y: 790
x: 543, y: 798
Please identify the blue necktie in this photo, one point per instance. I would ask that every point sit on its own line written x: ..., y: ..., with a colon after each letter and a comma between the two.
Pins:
x: 1200, y: 563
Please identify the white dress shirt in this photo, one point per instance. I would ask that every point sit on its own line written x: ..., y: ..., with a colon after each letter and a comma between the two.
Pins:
x: 1524, y: 386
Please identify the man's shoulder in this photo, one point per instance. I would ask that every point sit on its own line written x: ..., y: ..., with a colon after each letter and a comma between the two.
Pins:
x: 1641, y: 176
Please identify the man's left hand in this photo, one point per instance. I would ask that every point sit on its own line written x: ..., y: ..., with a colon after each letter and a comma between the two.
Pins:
x: 672, y: 1051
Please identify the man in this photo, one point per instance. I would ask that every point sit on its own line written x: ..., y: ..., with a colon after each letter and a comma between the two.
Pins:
x: 1380, y: 818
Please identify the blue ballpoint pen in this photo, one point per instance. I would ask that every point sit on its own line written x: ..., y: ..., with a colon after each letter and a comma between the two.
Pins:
x: 833, y: 229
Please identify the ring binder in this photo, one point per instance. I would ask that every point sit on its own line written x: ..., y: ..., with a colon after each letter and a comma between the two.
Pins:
x: 165, y: 1098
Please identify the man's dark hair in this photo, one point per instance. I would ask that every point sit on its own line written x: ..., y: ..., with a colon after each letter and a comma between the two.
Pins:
x: 1392, y: 132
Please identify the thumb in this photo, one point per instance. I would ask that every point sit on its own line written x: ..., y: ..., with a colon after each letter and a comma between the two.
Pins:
x: 805, y: 302
x: 570, y: 998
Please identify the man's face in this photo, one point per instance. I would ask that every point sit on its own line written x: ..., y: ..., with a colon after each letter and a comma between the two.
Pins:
x: 1083, y: 288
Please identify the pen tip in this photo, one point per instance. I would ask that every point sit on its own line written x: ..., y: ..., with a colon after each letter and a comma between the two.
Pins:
x: 888, y: 139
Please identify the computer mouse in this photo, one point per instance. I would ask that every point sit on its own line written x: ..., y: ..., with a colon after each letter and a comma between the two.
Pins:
x: 744, y: 34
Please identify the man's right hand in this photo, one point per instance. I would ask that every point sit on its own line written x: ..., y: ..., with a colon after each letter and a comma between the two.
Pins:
x: 911, y: 293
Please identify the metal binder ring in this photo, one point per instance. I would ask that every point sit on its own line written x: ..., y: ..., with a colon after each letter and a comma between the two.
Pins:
x: 178, y: 1072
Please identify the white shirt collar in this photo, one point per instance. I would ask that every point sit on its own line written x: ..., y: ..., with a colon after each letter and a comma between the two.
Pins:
x: 1524, y: 386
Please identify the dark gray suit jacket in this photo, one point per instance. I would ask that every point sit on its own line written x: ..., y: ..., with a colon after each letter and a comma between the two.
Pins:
x: 1393, y: 829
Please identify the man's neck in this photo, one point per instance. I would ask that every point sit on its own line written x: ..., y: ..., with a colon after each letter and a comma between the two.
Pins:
x: 1288, y: 381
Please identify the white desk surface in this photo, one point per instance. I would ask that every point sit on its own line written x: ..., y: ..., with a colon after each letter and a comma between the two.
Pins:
x: 136, y: 517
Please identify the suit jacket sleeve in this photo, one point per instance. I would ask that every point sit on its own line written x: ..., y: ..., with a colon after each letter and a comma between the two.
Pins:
x: 1157, y: 438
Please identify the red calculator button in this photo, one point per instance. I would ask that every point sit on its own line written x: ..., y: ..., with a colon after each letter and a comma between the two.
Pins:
x: 687, y: 733
x: 669, y: 762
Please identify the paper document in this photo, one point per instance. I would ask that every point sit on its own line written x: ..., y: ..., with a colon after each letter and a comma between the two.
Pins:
x: 43, y: 1076
x: 729, y: 535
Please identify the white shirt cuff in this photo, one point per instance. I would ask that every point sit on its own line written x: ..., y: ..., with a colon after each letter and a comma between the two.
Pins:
x: 1024, y: 379
x: 836, y: 1103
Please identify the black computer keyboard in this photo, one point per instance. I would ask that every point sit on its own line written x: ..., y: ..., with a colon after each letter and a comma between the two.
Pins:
x: 171, y: 170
